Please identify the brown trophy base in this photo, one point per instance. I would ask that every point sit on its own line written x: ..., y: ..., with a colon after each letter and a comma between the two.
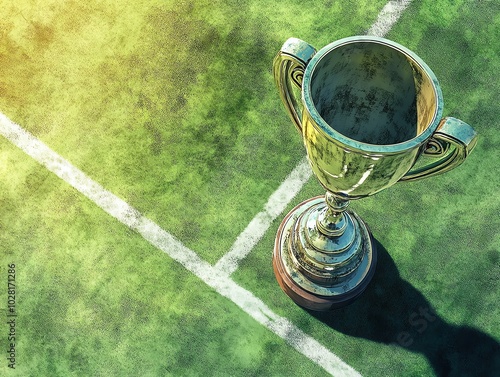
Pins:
x: 303, y: 297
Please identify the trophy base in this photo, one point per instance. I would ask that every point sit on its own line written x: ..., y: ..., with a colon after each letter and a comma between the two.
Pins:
x: 344, y: 286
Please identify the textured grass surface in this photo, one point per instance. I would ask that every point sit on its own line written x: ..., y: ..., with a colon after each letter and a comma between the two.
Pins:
x: 438, y: 238
x: 95, y: 299
x: 167, y: 105
x: 171, y: 106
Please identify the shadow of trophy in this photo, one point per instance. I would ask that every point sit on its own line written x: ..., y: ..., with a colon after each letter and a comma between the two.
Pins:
x: 370, y: 115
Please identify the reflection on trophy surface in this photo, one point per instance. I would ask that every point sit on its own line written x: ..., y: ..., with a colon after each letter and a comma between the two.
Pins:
x: 370, y: 114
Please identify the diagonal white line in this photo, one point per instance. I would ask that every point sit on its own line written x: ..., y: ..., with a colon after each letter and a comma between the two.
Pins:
x: 387, y: 17
x: 158, y: 237
x: 212, y: 276
x: 261, y: 223
x: 291, y: 186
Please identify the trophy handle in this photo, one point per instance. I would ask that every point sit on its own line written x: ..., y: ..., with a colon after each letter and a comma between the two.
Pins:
x: 451, y: 143
x: 288, y: 67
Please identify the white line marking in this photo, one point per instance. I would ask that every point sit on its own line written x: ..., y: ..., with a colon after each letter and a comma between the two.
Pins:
x: 158, y: 237
x: 291, y: 186
x: 387, y: 17
x: 262, y: 221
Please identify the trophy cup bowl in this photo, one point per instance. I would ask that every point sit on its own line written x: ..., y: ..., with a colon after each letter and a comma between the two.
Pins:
x: 370, y: 115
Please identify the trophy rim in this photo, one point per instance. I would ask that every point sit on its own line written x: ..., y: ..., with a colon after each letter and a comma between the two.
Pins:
x: 355, y: 144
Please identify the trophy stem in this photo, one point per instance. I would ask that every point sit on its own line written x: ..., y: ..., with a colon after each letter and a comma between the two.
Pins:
x: 324, y: 255
x: 331, y: 221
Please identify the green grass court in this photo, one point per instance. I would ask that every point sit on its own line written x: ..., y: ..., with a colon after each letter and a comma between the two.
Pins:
x: 171, y: 106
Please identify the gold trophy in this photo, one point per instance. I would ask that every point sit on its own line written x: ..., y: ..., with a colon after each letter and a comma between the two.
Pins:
x: 370, y: 115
